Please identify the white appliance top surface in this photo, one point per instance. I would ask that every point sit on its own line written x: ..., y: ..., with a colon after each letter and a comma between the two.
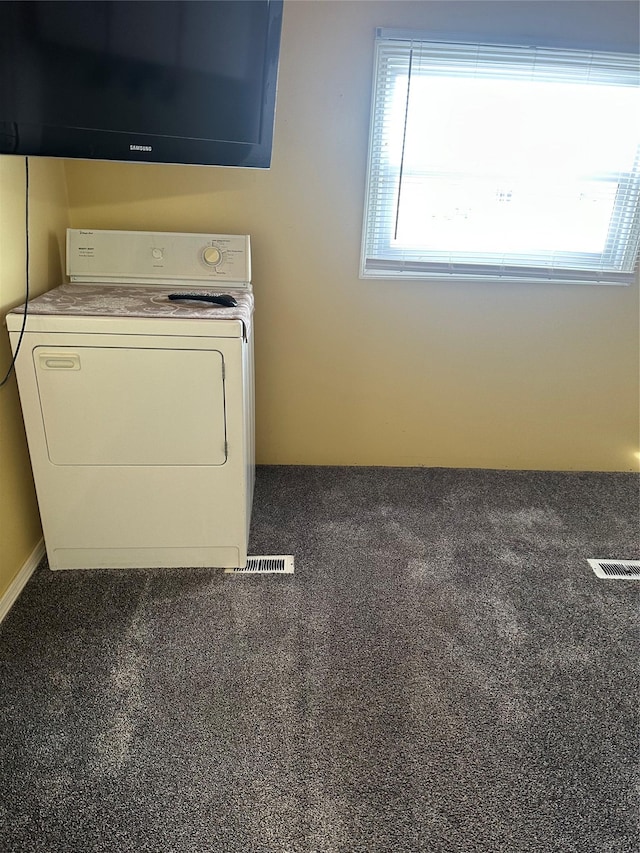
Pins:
x: 100, y: 300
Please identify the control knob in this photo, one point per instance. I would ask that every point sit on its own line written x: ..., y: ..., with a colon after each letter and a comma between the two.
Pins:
x: 212, y: 256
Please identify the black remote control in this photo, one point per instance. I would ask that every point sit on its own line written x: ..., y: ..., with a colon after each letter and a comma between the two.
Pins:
x: 224, y: 299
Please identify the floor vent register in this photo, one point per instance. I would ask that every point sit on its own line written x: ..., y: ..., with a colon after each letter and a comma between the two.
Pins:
x: 282, y: 565
x: 616, y: 569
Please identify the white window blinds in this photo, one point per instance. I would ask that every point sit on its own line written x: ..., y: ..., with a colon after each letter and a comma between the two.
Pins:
x: 490, y: 161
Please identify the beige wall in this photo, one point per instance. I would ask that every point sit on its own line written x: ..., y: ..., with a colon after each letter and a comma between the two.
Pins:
x: 379, y: 373
x: 20, y: 529
x: 353, y: 372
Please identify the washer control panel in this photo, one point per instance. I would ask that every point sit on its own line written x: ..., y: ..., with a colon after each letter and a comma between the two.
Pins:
x: 158, y: 257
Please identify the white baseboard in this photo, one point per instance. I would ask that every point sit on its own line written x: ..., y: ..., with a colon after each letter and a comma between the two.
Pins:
x: 17, y: 584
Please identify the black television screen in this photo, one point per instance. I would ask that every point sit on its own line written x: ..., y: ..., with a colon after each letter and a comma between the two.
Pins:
x: 163, y: 81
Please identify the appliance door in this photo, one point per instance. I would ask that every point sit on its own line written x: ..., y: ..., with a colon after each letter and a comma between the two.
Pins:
x: 131, y: 406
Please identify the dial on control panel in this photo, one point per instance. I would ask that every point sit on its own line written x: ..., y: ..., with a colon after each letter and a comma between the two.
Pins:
x: 212, y: 256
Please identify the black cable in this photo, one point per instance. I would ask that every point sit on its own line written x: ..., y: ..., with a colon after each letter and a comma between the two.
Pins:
x: 26, y: 296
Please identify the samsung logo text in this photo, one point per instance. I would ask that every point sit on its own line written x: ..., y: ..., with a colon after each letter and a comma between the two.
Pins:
x: 140, y: 148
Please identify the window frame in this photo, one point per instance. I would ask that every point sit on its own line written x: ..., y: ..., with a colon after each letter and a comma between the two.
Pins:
x: 380, y: 259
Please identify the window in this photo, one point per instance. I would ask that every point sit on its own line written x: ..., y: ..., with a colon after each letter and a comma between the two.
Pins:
x: 490, y: 161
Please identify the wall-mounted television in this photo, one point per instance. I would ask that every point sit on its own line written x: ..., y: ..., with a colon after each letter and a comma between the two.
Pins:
x: 162, y: 81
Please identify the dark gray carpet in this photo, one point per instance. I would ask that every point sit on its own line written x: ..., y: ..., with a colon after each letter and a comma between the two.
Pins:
x: 443, y: 674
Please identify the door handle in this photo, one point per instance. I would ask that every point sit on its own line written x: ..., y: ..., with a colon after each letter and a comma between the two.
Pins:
x: 57, y: 361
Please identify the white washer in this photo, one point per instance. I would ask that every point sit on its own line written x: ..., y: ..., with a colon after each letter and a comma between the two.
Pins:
x: 138, y: 409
